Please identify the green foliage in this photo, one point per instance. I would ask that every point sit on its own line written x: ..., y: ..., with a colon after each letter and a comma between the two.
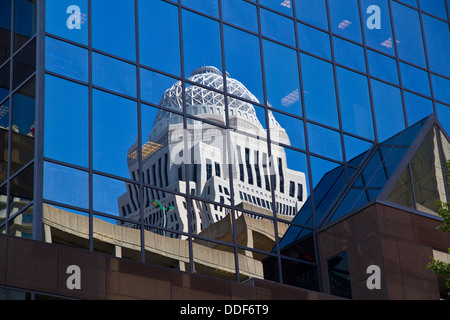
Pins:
x: 440, y: 267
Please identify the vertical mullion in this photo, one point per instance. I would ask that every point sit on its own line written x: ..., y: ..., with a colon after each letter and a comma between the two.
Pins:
x: 228, y: 149
x: 139, y: 139
x: 91, y: 190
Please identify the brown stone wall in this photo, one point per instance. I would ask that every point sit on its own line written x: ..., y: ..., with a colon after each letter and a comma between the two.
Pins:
x: 399, y: 242
x: 41, y: 267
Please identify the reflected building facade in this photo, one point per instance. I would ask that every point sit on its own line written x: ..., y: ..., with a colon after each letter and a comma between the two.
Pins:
x: 252, y: 141
x: 209, y: 152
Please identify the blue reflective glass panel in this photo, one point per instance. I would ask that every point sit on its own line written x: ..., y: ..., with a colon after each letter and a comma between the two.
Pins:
x: 314, y: 41
x: 201, y: 42
x: 68, y: 19
x: 443, y: 113
x: 210, y: 7
x: 408, y: 34
x: 441, y: 88
x: 319, y: 91
x: 415, y: 79
x: 388, y: 110
x: 113, y: 32
x: 354, y: 99
x: 159, y: 42
x: 240, y: 13
x: 313, y: 12
x: 377, y: 25
x: 113, y: 74
x: 66, y: 185
x: 277, y: 27
x: 114, y: 123
x: 292, y: 127
x: 282, y: 79
x: 355, y: 147
x: 319, y: 168
x: 106, y: 193
x: 283, y: 6
x: 435, y: 7
x: 410, y: 2
x: 153, y: 85
x: 316, y: 137
x: 437, y: 36
x: 349, y: 54
x: 66, y: 59
x: 345, y: 19
x: 66, y: 131
x: 416, y: 107
x: 382, y: 66
x: 242, y: 58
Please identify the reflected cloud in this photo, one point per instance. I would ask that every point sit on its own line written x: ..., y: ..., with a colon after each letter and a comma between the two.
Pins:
x: 344, y: 24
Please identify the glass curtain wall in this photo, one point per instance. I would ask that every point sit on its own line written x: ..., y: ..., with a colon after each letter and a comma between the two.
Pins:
x: 17, y: 115
x: 190, y: 133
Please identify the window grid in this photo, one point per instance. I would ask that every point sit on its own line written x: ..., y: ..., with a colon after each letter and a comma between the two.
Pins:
x: 142, y: 183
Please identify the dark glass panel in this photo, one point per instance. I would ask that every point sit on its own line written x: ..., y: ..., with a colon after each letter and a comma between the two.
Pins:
x: 114, y: 121
x: 21, y: 194
x: 68, y: 19
x: 3, y: 211
x: 66, y: 59
x: 112, y: 32
x: 4, y: 140
x: 66, y: 128
x: 339, y: 276
x: 4, y: 81
x: 66, y: 185
x: 355, y: 147
x: 24, y: 21
x: 23, y: 125
x: 5, y: 30
x: 300, y: 274
x: 159, y: 28
x: 24, y: 64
